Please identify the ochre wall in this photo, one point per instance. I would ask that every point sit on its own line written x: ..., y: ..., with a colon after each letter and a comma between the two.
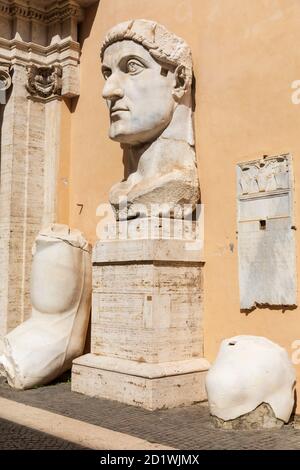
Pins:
x: 245, y: 60
x: 63, y: 180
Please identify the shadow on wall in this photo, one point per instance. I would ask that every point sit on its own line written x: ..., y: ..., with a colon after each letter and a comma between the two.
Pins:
x: 283, y: 308
x: 84, y: 29
x: 2, y: 107
x: 295, y: 404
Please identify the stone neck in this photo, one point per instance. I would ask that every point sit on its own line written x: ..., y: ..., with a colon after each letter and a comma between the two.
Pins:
x: 179, y: 129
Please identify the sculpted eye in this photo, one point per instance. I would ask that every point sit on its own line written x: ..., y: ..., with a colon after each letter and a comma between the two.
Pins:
x: 133, y: 66
x: 106, y: 72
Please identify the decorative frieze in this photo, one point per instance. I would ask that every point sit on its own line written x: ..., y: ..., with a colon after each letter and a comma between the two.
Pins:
x: 41, y: 22
x: 64, y: 11
x: 264, y: 175
x: 44, y: 81
x: 57, y: 11
x: 64, y: 53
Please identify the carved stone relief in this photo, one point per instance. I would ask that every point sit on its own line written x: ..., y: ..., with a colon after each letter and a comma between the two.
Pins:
x: 36, y: 11
x: 264, y: 175
x: 5, y: 81
x: 267, y: 258
x: 5, y: 77
x: 39, y: 21
x: 44, y: 81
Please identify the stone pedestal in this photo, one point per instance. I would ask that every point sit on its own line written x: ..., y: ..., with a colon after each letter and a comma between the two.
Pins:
x: 147, y: 333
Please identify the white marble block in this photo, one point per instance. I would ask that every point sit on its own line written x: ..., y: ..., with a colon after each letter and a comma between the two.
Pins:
x: 147, y: 333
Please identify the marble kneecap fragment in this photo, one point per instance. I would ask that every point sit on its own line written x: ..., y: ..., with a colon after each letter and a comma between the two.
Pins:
x: 249, y: 371
x: 43, y: 347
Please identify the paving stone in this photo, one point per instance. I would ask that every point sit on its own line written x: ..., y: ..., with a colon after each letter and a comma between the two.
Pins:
x: 185, y: 428
x: 16, y: 437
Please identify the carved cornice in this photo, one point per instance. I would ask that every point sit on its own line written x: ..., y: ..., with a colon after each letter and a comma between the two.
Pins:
x: 58, y: 11
x: 65, y: 53
x: 51, y: 43
x: 14, y: 49
x: 66, y: 10
x: 44, y: 82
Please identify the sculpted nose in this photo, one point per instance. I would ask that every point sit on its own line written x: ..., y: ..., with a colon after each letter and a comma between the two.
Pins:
x: 112, y: 89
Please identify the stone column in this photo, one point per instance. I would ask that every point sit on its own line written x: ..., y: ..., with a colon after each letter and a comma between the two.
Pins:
x: 40, y: 47
x: 14, y: 202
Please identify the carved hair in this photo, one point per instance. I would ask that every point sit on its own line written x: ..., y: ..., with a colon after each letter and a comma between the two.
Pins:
x: 162, y: 45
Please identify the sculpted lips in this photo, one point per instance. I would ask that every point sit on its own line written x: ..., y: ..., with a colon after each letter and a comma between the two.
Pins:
x: 117, y: 109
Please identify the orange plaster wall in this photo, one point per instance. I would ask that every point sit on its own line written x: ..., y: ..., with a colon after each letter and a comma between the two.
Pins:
x: 245, y: 60
x: 63, y: 180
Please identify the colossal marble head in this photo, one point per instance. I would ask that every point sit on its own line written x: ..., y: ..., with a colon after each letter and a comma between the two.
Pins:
x: 148, y: 73
x: 148, y: 81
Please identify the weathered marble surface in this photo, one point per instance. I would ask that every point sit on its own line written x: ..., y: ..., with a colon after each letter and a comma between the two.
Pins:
x: 249, y: 371
x: 44, y: 346
x: 148, y: 73
x: 266, y: 235
x: 147, y: 331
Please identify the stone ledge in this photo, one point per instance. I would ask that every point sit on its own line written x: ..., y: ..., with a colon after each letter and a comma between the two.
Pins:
x: 117, y: 251
x: 142, y: 369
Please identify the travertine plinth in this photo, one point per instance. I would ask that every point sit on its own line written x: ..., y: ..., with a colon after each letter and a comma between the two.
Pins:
x: 147, y: 339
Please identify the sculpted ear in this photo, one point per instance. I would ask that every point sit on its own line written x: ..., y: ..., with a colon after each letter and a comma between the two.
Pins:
x: 182, y: 82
